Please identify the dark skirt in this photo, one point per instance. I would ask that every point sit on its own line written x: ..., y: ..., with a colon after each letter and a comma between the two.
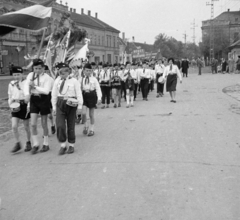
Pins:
x: 22, y: 114
x: 116, y: 84
x: 171, y: 83
x: 130, y: 84
x: 90, y: 99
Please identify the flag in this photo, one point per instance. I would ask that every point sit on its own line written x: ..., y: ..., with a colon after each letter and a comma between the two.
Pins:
x: 33, y: 18
x: 61, y: 48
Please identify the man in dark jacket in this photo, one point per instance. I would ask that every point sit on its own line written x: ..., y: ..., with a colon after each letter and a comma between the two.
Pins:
x: 185, y: 66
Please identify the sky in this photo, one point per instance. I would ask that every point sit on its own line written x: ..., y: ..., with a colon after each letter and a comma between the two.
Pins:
x: 145, y: 19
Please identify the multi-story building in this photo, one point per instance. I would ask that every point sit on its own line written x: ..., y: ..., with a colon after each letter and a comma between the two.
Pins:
x: 103, y: 37
x: 225, y: 29
x: 14, y: 46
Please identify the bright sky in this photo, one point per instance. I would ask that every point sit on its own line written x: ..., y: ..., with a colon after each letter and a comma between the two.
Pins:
x: 145, y: 19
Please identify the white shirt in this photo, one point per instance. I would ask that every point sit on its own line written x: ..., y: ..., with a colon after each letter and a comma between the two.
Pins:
x: 13, y: 91
x: 135, y: 75
x: 145, y: 73
x: 71, y: 88
x: 174, y: 70
x: 104, y: 77
x: 92, y: 85
x: 52, y: 83
x: 159, y: 68
x: 44, y: 86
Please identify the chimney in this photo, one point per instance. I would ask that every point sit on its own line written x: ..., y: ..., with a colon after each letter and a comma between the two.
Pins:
x: 71, y: 10
x: 82, y: 11
x: 228, y: 10
x: 89, y: 13
x: 133, y: 39
x: 96, y: 15
x: 74, y: 10
x: 123, y: 36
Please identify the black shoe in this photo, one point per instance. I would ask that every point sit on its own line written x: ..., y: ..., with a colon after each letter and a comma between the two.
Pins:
x: 35, y: 149
x: 174, y: 101
x: 78, y: 119
x: 146, y: 99
x: 115, y: 106
x: 16, y: 148
x: 45, y: 148
x: 53, y: 129
x: 62, y: 150
x: 107, y: 106
x: 28, y: 147
x: 171, y: 101
x: 70, y: 150
x: 119, y: 104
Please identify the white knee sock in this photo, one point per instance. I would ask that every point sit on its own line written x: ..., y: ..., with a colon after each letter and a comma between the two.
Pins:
x: 132, y: 98
x: 45, y: 140
x: 35, y: 140
x: 127, y: 96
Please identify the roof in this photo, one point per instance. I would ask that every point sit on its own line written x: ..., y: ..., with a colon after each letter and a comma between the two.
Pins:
x: 88, y: 20
x: 228, y: 15
x: 235, y: 45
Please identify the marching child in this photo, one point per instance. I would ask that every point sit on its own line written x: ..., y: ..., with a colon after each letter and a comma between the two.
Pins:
x: 20, y: 109
x: 91, y: 96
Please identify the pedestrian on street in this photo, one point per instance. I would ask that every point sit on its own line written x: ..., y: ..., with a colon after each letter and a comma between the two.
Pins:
x: 37, y: 89
x: 116, y: 86
x: 185, y: 67
x: 145, y: 76
x: 171, y: 73
x: 238, y: 65
x: 105, y: 84
x: 199, y: 65
x: 20, y: 109
x: 224, y: 66
x: 129, y: 84
x: 67, y: 102
x: 92, y: 96
x: 159, y: 70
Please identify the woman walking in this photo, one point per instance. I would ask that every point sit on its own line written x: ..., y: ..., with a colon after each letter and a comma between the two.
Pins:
x: 171, y: 73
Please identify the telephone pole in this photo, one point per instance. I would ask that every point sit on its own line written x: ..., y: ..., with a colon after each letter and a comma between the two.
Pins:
x: 193, y: 28
x: 211, y: 29
x: 185, y: 38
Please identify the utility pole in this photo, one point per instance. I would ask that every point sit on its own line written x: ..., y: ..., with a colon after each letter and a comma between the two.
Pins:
x: 211, y: 29
x: 185, y: 38
x: 193, y: 28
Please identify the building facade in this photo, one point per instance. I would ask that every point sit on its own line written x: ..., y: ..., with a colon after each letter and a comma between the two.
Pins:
x: 19, y: 43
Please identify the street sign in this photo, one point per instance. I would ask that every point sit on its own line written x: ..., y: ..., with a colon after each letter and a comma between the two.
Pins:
x: 138, y: 53
x: 4, y: 52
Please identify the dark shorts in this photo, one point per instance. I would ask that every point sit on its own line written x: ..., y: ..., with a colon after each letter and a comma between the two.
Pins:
x: 50, y: 100
x: 40, y: 104
x: 90, y: 99
x: 22, y: 114
x: 238, y: 66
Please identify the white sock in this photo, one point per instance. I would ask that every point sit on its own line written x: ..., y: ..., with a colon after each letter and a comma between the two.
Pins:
x: 45, y: 140
x: 35, y: 140
x: 132, y: 98
x: 63, y: 144
x: 127, y: 96
x: 91, y: 127
x: 70, y: 145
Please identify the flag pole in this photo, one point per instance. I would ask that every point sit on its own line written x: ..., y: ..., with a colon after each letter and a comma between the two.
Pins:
x: 48, y: 45
x: 41, y: 44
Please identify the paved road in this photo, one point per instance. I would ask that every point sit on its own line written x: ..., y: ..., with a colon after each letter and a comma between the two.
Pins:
x: 155, y: 161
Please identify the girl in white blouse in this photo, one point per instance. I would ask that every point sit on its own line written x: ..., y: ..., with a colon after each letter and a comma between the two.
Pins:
x: 171, y: 73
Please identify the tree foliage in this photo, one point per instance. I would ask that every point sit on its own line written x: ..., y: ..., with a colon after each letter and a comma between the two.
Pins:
x: 170, y: 47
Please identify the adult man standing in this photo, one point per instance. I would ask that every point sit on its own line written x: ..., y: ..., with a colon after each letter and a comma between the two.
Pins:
x: 199, y: 65
x: 185, y: 66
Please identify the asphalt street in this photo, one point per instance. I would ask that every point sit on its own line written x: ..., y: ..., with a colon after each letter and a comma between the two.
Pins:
x: 157, y: 161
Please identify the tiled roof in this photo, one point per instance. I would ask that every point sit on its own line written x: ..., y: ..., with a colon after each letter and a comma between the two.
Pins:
x: 87, y: 20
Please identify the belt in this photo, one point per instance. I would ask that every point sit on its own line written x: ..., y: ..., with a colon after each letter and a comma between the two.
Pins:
x: 19, y: 100
x: 36, y: 94
x: 66, y: 97
x: 87, y: 91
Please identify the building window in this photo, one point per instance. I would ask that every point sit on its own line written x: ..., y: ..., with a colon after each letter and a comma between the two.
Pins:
x: 95, y: 39
x: 103, y: 41
x: 236, y: 19
x: 116, y: 59
x: 236, y: 36
x: 114, y: 41
x: 99, y: 40
x: 103, y: 58
x: 109, y: 59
